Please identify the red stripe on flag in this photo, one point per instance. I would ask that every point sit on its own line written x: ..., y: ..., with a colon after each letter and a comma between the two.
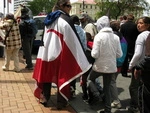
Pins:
x: 61, y: 70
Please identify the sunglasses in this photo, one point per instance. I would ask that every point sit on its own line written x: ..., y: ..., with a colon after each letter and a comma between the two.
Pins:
x: 68, y: 5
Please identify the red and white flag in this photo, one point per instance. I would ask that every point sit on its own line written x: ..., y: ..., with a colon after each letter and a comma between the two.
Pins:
x: 61, y: 59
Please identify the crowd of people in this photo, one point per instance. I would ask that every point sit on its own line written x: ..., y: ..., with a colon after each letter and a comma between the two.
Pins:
x: 78, y: 47
x: 15, y: 35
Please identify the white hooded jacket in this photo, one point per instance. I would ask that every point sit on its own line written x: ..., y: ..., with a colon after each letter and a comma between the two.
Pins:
x: 106, y: 48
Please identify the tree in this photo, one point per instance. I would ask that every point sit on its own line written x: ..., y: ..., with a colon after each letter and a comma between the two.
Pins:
x: 38, y: 6
x: 121, y: 7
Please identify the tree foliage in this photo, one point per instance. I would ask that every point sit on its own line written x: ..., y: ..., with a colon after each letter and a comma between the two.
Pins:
x: 116, y: 8
x: 38, y: 6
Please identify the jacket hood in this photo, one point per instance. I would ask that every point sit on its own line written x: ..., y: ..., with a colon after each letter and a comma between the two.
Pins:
x: 52, y: 17
x: 102, y: 22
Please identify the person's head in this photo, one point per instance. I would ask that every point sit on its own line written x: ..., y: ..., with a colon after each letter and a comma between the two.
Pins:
x: 84, y: 17
x: 130, y: 17
x: 10, y: 16
x: 103, y: 22
x: 124, y: 17
x: 24, y: 10
x: 89, y: 36
x: 63, y: 5
x: 115, y: 25
x: 143, y: 24
x: 24, y: 13
x: 75, y: 19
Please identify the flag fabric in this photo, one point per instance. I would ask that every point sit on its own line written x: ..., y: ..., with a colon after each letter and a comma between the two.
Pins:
x: 17, y: 13
x: 61, y: 59
x: 9, y: 1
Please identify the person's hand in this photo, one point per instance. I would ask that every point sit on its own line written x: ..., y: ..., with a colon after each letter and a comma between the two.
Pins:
x: 137, y: 73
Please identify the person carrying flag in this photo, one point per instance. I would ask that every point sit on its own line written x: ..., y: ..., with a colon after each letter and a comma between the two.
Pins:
x: 61, y: 59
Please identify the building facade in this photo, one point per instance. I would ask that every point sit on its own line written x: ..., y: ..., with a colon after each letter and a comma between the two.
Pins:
x: 84, y: 6
x: 18, y: 2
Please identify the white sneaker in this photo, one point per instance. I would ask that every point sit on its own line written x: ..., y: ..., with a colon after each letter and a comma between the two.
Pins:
x: 4, y: 68
x: 116, y: 105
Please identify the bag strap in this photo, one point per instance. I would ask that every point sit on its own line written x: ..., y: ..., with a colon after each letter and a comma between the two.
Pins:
x: 7, y: 34
x: 147, y: 46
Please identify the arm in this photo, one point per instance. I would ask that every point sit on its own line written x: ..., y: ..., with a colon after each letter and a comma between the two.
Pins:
x: 136, y: 56
x: 96, y: 49
x: 119, y: 50
x: 138, y: 68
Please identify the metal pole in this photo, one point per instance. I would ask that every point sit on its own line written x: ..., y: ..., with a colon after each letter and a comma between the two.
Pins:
x: 83, y: 5
x: 4, y: 7
x: 7, y: 6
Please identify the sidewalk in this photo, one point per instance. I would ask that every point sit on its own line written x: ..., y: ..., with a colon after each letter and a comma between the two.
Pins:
x: 16, y: 93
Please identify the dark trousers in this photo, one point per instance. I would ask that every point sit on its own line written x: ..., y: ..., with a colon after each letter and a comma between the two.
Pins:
x: 84, y: 84
x: 47, y: 90
x: 61, y: 101
x: 124, y: 69
x: 144, y: 92
x: 107, y: 77
x: 133, y: 89
x: 27, y: 43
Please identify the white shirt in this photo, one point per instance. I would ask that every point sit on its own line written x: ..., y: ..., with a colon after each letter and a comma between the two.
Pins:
x: 139, y: 49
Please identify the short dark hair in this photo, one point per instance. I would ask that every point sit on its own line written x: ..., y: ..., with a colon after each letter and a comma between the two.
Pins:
x: 130, y: 17
x: 75, y: 19
x: 115, y: 25
x: 10, y: 16
x: 59, y: 3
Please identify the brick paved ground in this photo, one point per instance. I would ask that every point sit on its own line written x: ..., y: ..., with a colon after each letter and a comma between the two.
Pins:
x: 16, y: 93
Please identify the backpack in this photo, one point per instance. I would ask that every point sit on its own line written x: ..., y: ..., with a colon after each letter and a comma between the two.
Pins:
x: 26, y: 27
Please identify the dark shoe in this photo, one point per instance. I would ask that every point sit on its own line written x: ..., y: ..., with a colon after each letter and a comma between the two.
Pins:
x: 94, y: 100
x: 102, y: 112
x: 46, y: 104
x: 126, y: 75
x: 62, y: 105
x: 133, y: 110
x: 85, y: 97
x: 29, y: 67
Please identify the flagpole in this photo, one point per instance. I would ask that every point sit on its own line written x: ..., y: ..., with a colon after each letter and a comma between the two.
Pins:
x: 4, y: 8
x: 7, y: 7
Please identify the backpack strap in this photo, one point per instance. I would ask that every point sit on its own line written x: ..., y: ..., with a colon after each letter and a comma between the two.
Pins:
x: 147, y: 46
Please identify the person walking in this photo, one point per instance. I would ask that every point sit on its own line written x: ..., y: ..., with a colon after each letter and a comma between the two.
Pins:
x: 61, y: 59
x: 143, y: 26
x: 142, y: 70
x: 12, y: 42
x: 130, y: 33
x: 115, y: 25
x: 106, y: 49
x: 28, y: 30
x: 83, y: 40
